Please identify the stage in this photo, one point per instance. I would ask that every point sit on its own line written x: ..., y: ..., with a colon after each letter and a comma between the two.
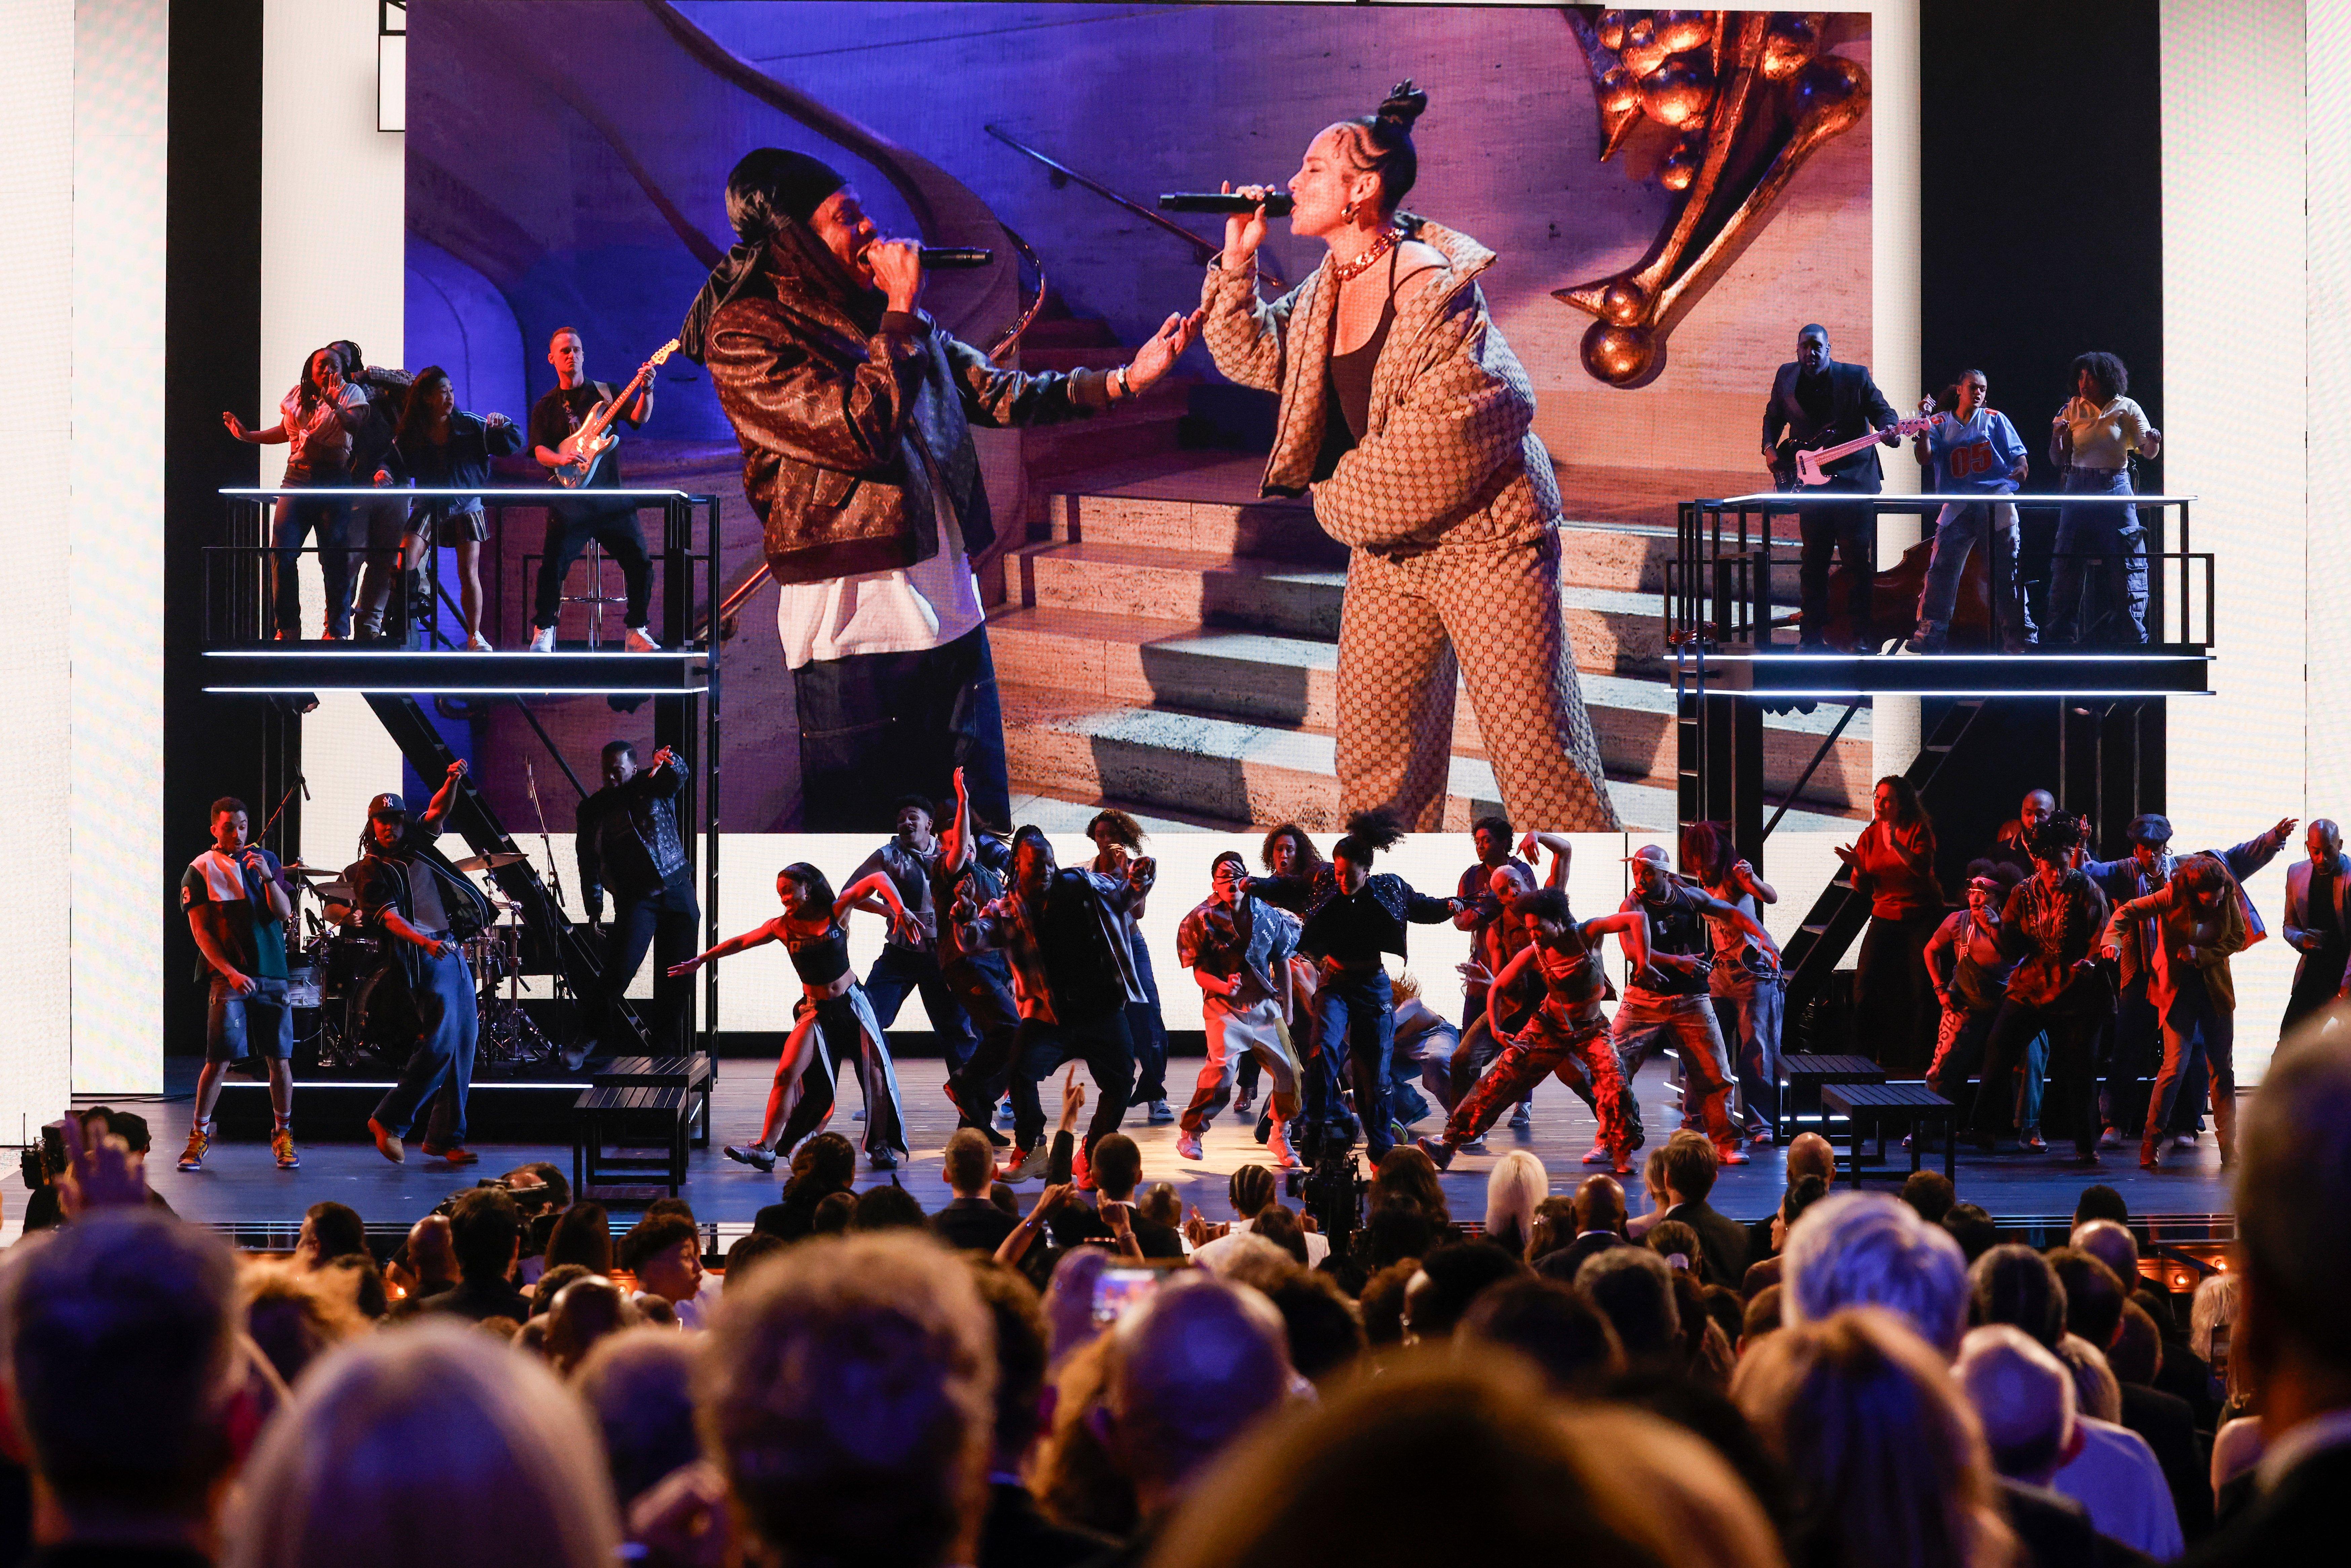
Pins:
x: 240, y: 1185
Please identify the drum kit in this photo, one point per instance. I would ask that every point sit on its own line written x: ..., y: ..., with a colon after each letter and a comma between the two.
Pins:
x: 342, y: 973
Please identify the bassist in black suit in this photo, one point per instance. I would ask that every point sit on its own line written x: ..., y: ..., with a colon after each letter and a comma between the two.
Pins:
x: 1817, y: 401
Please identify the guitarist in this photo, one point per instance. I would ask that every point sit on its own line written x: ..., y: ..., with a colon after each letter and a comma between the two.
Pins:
x: 570, y: 525
x: 1817, y: 401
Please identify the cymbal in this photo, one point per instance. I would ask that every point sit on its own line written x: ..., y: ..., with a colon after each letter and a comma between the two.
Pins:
x: 316, y: 873
x: 492, y: 861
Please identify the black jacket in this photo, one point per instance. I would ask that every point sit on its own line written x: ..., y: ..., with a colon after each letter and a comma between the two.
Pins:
x: 627, y: 834
x: 972, y: 1225
x: 2290, y: 1524
x: 1856, y: 406
x: 462, y: 463
x: 381, y: 885
x: 1723, y: 1241
x: 1562, y: 1264
x: 1339, y: 925
x: 2169, y: 1427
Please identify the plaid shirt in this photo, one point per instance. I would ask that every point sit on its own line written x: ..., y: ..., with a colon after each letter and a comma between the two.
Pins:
x: 1015, y: 925
x: 2050, y: 933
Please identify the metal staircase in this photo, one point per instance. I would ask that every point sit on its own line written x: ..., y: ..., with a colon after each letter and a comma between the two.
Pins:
x: 1840, y: 913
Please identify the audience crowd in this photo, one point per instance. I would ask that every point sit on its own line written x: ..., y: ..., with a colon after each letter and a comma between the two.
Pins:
x: 1860, y: 1379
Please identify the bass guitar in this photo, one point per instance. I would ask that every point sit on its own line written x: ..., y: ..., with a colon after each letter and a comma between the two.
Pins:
x: 1811, y: 463
x: 584, y: 450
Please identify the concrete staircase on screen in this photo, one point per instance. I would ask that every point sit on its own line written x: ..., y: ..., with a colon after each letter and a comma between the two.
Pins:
x: 1167, y: 641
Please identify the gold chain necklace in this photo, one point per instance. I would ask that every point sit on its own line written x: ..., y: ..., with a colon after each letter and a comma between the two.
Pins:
x: 1348, y: 271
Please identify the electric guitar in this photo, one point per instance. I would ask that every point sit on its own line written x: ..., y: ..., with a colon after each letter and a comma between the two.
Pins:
x: 1812, y: 461
x: 584, y: 450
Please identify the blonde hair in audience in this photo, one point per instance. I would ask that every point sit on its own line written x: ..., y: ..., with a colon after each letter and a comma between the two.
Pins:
x: 1880, y: 1448
x: 1515, y: 1188
x: 1618, y: 1489
x: 432, y: 1444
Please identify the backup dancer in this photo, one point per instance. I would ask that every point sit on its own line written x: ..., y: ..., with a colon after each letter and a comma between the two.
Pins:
x: 1238, y: 947
x: 1569, y: 1033
x: 833, y: 1018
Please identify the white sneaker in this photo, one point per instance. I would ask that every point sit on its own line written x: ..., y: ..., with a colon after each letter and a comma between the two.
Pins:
x: 2183, y: 1140
x: 641, y: 641
x: 542, y: 639
x: 477, y: 643
x: 2110, y: 1137
x: 1189, y: 1146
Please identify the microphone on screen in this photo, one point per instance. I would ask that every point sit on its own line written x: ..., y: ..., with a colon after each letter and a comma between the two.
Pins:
x: 1276, y: 204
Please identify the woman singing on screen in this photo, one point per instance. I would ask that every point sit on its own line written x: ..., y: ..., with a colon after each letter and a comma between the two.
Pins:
x: 1411, y: 422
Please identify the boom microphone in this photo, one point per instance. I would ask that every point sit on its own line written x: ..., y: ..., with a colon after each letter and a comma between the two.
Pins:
x: 1276, y: 204
x: 956, y: 257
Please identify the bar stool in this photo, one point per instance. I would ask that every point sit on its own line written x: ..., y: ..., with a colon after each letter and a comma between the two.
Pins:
x: 596, y: 597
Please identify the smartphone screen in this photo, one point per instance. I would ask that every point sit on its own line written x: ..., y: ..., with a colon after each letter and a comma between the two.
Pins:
x: 2219, y: 1358
x: 1116, y: 1289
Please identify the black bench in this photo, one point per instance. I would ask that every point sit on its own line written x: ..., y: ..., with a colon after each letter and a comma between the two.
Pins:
x: 625, y: 1133
x: 695, y: 1075
x: 1803, y: 1074
x: 1870, y: 1108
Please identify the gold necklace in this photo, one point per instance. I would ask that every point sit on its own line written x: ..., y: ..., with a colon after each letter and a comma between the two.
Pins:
x: 1348, y: 271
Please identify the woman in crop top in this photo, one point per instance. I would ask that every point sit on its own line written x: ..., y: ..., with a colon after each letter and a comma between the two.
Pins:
x: 832, y: 1022
x: 1566, y: 1037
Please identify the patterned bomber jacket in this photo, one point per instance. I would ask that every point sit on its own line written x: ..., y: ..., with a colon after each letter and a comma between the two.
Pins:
x: 1211, y: 938
x: 1449, y: 456
x: 1069, y: 950
x: 856, y: 431
x: 2050, y: 933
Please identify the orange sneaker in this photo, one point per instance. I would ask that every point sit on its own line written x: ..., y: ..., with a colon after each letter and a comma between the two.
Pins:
x: 281, y: 1144
x: 200, y: 1144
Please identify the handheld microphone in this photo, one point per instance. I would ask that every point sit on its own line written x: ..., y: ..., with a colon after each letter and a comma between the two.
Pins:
x: 1277, y: 203
x: 956, y: 257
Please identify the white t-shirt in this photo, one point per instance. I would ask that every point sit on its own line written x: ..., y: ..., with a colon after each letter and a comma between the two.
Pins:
x: 909, y: 610
x: 2115, y: 1477
x: 1212, y: 1255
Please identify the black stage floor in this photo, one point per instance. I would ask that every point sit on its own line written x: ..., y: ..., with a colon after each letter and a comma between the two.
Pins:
x: 241, y: 1185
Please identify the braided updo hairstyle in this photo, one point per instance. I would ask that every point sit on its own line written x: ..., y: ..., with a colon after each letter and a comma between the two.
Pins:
x: 1382, y: 145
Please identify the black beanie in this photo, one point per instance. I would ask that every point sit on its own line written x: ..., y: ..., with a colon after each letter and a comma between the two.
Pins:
x: 772, y: 184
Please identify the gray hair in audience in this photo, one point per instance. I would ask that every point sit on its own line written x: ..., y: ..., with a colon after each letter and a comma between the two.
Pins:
x: 2024, y: 1397
x: 1866, y: 1249
x: 2112, y: 1244
x: 639, y: 1387
x: 1634, y: 1288
x: 433, y: 1443
x: 2096, y: 1394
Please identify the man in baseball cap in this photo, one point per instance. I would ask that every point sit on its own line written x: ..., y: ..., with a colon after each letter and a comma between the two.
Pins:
x: 412, y: 899
x: 1667, y: 1001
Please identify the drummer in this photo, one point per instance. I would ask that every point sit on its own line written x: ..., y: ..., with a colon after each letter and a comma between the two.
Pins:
x: 239, y: 904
